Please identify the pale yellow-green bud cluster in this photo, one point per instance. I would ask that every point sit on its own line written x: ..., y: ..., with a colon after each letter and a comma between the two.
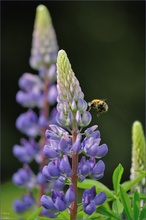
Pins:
x: 138, y: 151
x: 71, y: 104
x: 44, y: 44
x: 68, y: 85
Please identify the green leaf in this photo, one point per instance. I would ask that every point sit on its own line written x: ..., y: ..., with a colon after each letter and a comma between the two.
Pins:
x: 117, y: 207
x: 136, y: 205
x: 126, y: 203
x: 117, y: 175
x: 88, y: 183
x: 42, y: 218
x: 108, y: 213
x: 141, y: 196
x: 35, y: 214
x: 63, y: 215
x: 83, y: 216
x: 142, y: 215
x: 129, y: 184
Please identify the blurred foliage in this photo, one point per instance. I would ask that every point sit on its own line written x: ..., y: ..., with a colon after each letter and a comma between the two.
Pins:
x: 8, y: 192
x: 106, y: 45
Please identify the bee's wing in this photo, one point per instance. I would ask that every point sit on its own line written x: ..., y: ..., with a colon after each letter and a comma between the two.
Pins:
x: 104, y: 99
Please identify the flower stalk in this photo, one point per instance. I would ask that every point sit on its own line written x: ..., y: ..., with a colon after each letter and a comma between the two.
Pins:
x: 45, y: 112
x: 74, y: 179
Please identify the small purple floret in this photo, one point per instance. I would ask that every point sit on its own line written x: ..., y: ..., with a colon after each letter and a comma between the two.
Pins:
x: 90, y: 200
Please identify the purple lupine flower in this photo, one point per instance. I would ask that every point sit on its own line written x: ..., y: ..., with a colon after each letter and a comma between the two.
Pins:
x: 48, y: 213
x: 47, y: 202
x: 21, y: 177
x: 89, y: 131
x: 24, y: 177
x: 91, y: 145
x: 51, y: 171
x: 70, y: 196
x: 52, y: 118
x: 27, y: 150
x: 90, y: 168
x: 76, y: 147
x: 21, y: 205
x: 56, y: 132
x: 28, y: 200
x: 58, y: 201
x: 51, y: 149
x: 64, y: 145
x: 52, y: 94
x: 56, y: 168
x: 59, y: 184
x: 65, y: 167
x: 98, y: 170
x: 43, y: 121
x: 49, y: 73
x: 27, y: 81
x: 31, y: 94
x: 56, y: 148
x: 90, y: 200
x: 28, y: 123
x: 40, y: 178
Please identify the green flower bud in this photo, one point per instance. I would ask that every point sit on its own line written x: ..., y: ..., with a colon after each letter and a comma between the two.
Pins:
x: 138, y: 152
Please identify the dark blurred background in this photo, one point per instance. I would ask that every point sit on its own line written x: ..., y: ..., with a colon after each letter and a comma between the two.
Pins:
x: 105, y: 42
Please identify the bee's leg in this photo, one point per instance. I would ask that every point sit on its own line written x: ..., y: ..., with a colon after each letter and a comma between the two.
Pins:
x: 89, y: 107
x: 98, y: 113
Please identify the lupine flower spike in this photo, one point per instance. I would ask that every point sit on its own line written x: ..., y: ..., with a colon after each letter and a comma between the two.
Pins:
x: 36, y: 91
x: 66, y: 141
x: 44, y: 44
x: 138, y: 155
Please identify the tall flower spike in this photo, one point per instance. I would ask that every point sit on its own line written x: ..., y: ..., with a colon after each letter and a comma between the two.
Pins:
x: 44, y: 44
x: 70, y: 98
x: 138, y: 154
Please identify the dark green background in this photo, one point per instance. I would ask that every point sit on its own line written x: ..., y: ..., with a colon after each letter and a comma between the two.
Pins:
x: 105, y: 42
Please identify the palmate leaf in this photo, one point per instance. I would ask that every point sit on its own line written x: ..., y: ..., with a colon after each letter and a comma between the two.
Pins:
x: 117, y: 207
x: 117, y: 175
x: 107, y: 212
x: 88, y: 183
x: 126, y: 203
x: 83, y: 216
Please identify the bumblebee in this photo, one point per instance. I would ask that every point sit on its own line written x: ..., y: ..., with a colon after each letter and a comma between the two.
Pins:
x: 99, y: 105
